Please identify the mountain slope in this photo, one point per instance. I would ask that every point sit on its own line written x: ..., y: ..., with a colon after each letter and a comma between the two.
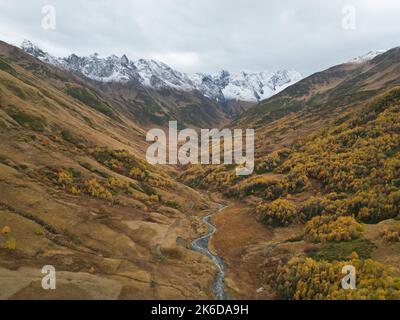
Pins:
x: 325, y: 185
x: 343, y: 85
x: 77, y: 194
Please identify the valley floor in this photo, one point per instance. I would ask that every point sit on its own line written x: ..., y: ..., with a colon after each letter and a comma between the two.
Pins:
x: 249, y: 249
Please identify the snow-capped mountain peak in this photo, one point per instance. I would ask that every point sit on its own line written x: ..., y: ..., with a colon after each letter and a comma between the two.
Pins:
x: 158, y: 74
x: 34, y: 50
x: 221, y: 86
x: 245, y: 86
x: 108, y: 69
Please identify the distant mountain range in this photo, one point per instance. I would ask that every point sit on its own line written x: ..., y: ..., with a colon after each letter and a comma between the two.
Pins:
x: 222, y: 86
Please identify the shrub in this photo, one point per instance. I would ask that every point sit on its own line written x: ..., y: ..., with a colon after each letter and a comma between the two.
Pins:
x: 71, y: 137
x: 158, y: 182
x: 39, y: 231
x: 6, y: 67
x: 75, y: 190
x: 90, y: 99
x: 6, y: 230
x: 136, y: 173
x: 391, y: 235
x: 172, y: 204
x: 117, y: 183
x: 272, y: 161
x: 339, y: 251
x: 296, y: 182
x: 115, y: 165
x: 95, y: 189
x: 307, y: 279
x: 140, y: 196
x: 314, y: 207
x: 268, y: 188
x: 65, y: 178
x: 10, y: 243
x: 331, y: 228
x: 279, y: 213
x: 122, y: 162
x: 381, y: 203
x: 154, y: 198
x: 26, y: 120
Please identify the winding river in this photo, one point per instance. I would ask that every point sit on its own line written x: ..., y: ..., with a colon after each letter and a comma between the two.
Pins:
x: 201, y: 245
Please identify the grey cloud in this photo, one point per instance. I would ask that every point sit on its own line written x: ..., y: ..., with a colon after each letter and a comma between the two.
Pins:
x: 208, y: 35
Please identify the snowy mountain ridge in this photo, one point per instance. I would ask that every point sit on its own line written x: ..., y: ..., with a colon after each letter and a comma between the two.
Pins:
x: 368, y: 56
x: 221, y: 86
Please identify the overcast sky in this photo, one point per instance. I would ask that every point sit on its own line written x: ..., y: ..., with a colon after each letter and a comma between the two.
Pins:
x: 209, y: 35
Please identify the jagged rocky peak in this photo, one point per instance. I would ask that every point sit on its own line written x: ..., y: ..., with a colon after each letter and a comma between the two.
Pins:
x: 124, y: 60
x: 222, y: 78
x: 207, y: 86
x: 247, y: 86
x: 31, y: 48
x: 108, y: 69
x: 34, y: 50
x: 158, y: 74
x: 221, y: 86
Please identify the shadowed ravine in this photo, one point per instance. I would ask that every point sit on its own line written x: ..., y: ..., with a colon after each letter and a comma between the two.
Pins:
x: 201, y: 245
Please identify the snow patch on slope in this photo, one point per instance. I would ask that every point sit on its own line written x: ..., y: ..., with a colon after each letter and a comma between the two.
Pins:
x: 368, y: 56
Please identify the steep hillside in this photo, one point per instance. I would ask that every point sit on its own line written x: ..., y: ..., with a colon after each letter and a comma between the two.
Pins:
x: 155, y: 107
x: 346, y: 190
x: 76, y: 194
x: 325, y: 185
x: 324, y: 92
